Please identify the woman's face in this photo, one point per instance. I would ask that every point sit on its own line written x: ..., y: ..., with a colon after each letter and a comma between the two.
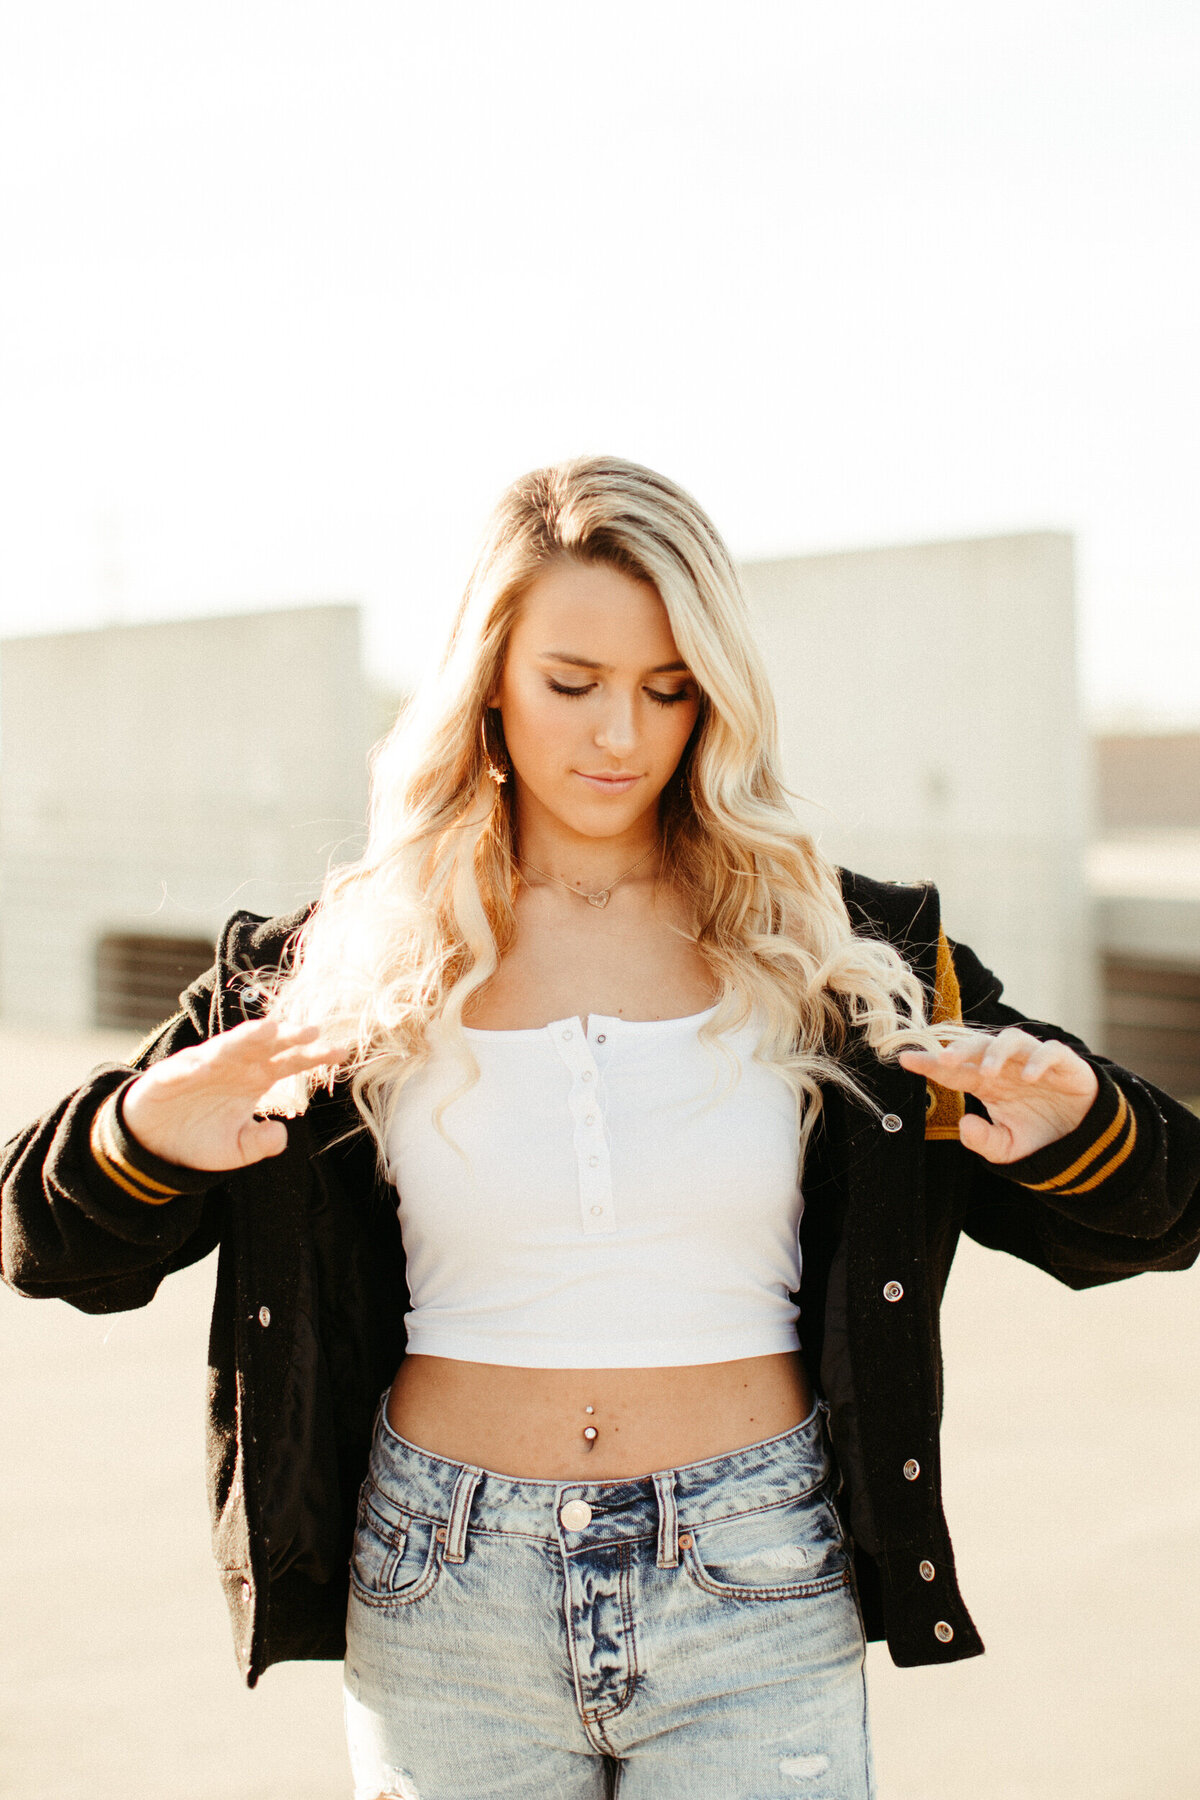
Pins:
x: 596, y: 701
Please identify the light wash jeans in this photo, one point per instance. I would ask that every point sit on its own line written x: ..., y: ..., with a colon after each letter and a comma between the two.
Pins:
x: 693, y: 1635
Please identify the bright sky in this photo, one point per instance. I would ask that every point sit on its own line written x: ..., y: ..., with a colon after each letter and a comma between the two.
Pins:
x: 289, y: 292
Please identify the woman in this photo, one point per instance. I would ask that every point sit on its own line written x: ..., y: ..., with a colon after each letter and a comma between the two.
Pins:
x: 599, y: 1003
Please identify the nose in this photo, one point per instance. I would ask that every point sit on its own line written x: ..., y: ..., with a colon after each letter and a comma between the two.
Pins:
x: 616, y: 730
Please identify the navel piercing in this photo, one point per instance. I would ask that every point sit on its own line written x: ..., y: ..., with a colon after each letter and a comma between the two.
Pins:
x: 590, y: 1434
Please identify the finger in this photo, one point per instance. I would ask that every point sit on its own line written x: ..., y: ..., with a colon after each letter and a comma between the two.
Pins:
x: 1042, y: 1061
x: 260, y: 1138
x: 1007, y: 1048
x: 248, y: 1062
x: 992, y: 1142
x: 963, y: 1052
x: 314, y: 1056
x: 955, y: 1065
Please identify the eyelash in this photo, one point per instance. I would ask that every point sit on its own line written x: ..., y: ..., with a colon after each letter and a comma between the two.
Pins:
x: 573, y: 693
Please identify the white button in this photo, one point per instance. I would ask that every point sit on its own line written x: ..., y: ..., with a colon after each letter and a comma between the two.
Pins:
x: 596, y: 1211
x: 264, y: 1315
x: 927, y: 1571
x: 586, y: 1076
x: 912, y: 1469
x: 943, y: 1632
x: 593, y: 1162
x: 575, y: 1515
x: 568, y: 1033
x: 893, y: 1291
x: 892, y: 1122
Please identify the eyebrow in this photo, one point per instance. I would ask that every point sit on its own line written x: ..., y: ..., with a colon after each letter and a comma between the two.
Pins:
x: 582, y: 662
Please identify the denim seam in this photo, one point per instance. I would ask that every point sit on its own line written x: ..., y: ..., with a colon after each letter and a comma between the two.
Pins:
x: 792, y: 1590
x: 598, y: 1717
x: 481, y: 1527
x: 383, y: 1600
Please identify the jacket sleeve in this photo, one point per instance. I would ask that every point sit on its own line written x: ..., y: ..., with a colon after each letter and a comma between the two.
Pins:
x: 1119, y: 1195
x: 86, y: 1214
x: 73, y: 1220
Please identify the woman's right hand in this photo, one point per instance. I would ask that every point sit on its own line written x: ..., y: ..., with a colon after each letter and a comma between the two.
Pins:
x: 197, y: 1107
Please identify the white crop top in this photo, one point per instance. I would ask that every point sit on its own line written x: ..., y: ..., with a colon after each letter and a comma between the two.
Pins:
x: 616, y: 1200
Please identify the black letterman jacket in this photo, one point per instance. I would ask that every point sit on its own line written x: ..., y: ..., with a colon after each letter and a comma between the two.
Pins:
x: 310, y: 1295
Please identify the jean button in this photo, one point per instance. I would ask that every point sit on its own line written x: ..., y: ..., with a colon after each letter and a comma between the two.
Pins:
x: 575, y: 1515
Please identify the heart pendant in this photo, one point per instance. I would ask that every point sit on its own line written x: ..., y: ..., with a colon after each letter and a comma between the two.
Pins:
x: 600, y: 899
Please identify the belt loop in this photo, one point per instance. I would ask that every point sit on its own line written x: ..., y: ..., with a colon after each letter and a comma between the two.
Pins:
x: 668, y: 1519
x: 460, y: 1508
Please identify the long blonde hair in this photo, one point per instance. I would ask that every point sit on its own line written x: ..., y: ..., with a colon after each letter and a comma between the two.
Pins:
x: 401, y: 939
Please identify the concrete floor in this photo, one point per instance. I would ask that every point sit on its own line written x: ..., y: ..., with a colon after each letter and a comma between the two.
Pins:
x: 1072, y: 1489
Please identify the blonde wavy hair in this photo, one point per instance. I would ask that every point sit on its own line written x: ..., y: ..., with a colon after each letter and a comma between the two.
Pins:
x: 401, y: 939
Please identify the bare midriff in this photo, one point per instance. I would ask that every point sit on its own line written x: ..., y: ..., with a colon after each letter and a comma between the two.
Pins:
x: 531, y: 1422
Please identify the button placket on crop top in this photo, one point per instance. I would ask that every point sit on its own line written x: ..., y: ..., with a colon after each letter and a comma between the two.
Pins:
x: 686, y: 1149
x: 586, y: 1104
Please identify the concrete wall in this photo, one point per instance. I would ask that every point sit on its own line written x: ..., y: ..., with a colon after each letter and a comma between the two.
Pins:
x: 154, y: 778
x: 927, y: 698
x: 1149, y: 781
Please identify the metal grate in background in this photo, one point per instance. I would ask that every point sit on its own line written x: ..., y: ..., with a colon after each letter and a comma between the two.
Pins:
x: 139, y: 978
x: 1152, y: 1021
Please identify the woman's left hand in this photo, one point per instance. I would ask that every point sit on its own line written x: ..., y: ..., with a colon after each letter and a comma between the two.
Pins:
x: 1035, y: 1093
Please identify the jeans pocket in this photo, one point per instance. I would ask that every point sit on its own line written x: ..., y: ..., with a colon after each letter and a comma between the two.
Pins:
x: 777, y: 1552
x: 396, y: 1557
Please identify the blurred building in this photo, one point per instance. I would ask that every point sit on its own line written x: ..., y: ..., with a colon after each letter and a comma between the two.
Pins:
x: 1145, y: 875
x: 154, y: 778
x: 928, y: 699
x: 1148, y: 782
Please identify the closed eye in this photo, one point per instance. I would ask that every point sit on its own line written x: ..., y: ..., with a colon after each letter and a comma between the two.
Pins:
x: 577, y: 693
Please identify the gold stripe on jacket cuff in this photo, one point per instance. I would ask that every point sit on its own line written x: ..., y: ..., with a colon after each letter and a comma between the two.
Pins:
x: 1065, y: 1183
x: 118, y: 1168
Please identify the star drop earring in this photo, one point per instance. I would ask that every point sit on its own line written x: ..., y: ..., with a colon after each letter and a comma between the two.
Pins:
x: 494, y: 772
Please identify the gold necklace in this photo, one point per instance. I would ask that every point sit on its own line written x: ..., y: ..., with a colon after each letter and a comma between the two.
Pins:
x: 600, y: 898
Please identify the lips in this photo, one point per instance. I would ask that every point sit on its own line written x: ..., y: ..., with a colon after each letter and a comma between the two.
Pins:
x: 608, y: 784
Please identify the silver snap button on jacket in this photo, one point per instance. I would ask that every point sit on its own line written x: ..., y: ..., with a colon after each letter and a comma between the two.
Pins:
x: 575, y: 1515
x: 892, y: 1122
x: 912, y: 1469
x: 264, y: 1315
x: 927, y: 1571
x: 893, y: 1291
x: 943, y: 1632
